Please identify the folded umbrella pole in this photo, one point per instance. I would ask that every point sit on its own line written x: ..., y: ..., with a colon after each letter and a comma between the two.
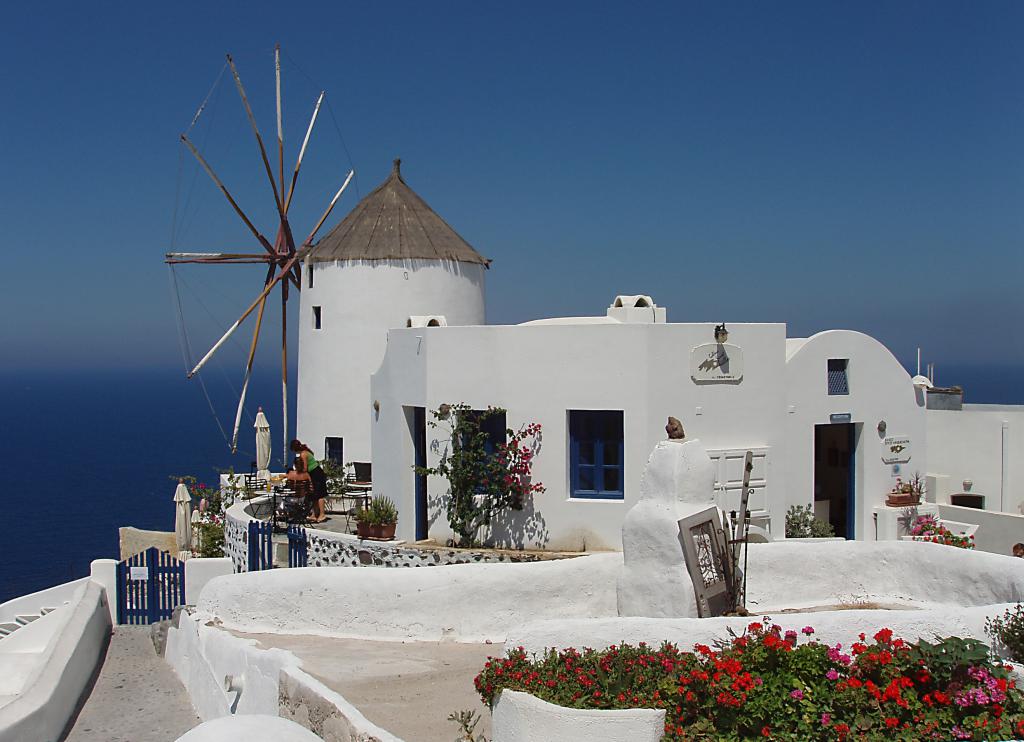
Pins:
x: 262, y: 426
x: 182, y: 517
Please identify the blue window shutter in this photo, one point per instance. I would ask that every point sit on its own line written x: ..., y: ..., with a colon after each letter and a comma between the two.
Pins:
x: 601, y: 474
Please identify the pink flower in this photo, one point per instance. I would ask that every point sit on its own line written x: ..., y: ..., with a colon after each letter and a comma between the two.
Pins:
x: 807, y: 630
x: 832, y: 675
x: 826, y: 719
x: 797, y: 694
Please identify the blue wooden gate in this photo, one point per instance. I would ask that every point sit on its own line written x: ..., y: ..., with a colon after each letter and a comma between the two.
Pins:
x: 261, y: 545
x: 149, y: 586
x: 298, y: 546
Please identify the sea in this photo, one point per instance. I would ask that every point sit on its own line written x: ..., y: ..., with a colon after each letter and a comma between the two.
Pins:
x: 90, y: 451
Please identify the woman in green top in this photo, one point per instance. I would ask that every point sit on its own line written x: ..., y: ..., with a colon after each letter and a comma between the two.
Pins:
x: 316, y: 474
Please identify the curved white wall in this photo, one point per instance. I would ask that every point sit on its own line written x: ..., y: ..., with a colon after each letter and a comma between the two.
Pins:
x: 464, y: 602
x: 360, y: 301
x: 880, y: 389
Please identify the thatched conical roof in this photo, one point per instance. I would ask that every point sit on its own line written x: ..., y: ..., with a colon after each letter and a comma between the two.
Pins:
x: 394, y: 223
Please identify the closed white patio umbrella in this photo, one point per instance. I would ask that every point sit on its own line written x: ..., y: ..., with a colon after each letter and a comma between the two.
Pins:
x: 182, y: 517
x: 262, y: 446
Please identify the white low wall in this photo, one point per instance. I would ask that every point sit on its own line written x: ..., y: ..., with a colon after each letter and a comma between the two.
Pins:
x: 787, y: 575
x: 271, y: 682
x: 199, y: 571
x: 51, y: 597
x: 829, y: 627
x: 61, y: 668
x: 477, y: 602
x: 468, y: 602
x: 997, y: 532
x: 520, y: 717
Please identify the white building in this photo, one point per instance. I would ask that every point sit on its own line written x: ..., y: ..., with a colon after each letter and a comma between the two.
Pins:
x: 393, y: 293
x: 815, y: 412
x: 980, y: 446
x: 391, y: 262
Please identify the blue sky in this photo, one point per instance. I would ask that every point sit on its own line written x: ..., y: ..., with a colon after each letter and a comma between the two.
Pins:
x: 827, y: 165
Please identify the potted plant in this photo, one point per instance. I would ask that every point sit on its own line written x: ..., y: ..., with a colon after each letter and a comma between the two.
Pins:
x: 904, y: 494
x: 378, y: 520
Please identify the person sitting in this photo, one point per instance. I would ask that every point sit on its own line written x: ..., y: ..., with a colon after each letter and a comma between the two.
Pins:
x: 298, y: 479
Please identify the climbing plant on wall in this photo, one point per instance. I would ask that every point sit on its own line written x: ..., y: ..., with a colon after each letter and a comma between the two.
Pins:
x: 485, y: 477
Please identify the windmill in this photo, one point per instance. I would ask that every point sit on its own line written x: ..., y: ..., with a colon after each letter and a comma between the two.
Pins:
x: 281, y: 257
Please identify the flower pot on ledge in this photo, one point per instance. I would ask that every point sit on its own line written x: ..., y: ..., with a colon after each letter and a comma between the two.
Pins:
x: 376, y: 533
x: 903, y: 500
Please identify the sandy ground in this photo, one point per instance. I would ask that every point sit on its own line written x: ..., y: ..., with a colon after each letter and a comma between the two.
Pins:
x: 407, y: 688
x: 136, y: 698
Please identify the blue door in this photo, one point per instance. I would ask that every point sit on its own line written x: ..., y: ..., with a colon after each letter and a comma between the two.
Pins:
x: 419, y: 437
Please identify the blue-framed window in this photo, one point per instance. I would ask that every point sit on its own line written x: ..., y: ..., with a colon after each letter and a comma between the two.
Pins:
x: 596, y: 454
x: 838, y: 382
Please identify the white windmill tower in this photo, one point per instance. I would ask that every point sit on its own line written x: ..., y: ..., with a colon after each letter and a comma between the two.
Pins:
x: 390, y: 263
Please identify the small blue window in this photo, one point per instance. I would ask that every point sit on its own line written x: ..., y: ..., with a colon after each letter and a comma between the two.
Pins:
x: 596, y: 454
x: 838, y: 383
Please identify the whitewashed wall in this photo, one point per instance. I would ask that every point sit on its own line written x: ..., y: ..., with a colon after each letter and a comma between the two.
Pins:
x: 968, y: 444
x: 880, y: 389
x: 537, y: 373
x: 360, y: 301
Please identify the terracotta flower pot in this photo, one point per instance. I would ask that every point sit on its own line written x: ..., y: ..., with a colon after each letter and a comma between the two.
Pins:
x: 902, y: 500
x: 376, y: 533
x: 382, y: 532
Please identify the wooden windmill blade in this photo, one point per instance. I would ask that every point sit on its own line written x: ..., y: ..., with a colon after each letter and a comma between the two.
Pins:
x: 281, y: 257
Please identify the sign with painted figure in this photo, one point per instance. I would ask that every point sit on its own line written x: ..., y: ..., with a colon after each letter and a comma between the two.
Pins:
x: 139, y: 573
x: 713, y: 362
x: 896, y: 450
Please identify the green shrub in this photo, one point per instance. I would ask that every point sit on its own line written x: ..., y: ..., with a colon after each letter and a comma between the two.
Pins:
x: 765, y: 684
x: 381, y: 512
x: 1008, y: 631
x: 210, y: 539
x: 801, y: 523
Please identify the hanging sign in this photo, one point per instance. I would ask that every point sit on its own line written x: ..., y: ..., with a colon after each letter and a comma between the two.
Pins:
x: 896, y: 450
x: 139, y: 573
x: 837, y: 418
x: 716, y: 362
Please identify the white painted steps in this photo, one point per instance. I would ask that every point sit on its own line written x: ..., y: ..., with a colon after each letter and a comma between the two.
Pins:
x: 22, y: 619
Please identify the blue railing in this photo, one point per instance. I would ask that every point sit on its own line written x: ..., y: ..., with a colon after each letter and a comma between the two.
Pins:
x: 261, y: 545
x: 298, y: 546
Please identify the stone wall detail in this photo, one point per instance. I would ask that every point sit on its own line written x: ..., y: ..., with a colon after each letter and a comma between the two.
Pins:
x: 236, y: 541
x: 338, y: 550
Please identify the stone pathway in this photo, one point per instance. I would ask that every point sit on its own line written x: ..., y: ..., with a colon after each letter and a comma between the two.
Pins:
x: 136, y: 698
x: 407, y: 688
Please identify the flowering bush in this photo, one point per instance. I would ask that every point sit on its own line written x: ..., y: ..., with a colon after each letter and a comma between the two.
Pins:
x: 764, y: 684
x: 1008, y: 631
x: 928, y: 528
x: 482, y: 482
x: 210, y: 503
